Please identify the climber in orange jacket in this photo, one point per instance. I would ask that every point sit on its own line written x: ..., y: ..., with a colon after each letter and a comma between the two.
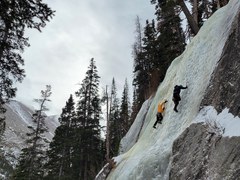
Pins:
x: 160, y: 110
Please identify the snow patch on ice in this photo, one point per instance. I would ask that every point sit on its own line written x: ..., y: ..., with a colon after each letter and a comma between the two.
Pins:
x: 225, y: 120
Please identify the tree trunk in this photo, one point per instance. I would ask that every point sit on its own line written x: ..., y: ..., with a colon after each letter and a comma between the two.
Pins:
x: 62, y: 162
x: 107, y: 133
x: 85, y: 176
x: 225, y: 2
x: 189, y: 17
x: 218, y: 4
x: 195, y: 11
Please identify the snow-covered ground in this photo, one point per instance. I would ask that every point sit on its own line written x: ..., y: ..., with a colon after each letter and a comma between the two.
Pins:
x: 149, y: 158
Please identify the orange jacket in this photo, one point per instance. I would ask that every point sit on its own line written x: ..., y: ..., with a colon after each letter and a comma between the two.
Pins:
x: 161, y: 106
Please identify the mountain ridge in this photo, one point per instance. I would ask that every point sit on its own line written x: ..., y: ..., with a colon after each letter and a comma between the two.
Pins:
x: 18, y: 118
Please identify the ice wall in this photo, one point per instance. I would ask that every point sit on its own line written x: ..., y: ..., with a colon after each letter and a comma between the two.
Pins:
x: 133, y: 134
x: 149, y: 158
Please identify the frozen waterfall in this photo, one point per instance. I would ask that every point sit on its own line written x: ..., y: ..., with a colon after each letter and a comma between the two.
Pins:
x: 150, y: 157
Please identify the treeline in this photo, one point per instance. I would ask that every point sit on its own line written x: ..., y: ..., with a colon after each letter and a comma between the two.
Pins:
x: 77, y: 150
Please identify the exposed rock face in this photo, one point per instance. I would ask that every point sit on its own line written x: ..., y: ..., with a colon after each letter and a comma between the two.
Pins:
x: 223, y: 90
x: 198, y: 154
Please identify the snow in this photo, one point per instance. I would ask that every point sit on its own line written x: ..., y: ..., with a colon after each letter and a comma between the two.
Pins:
x: 2, y: 176
x: 224, y: 120
x: 24, y: 113
x: 150, y: 157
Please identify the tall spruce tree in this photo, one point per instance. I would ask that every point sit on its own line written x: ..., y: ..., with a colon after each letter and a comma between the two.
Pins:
x: 87, y: 153
x: 114, y: 119
x: 150, y: 45
x: 171, y: 38
x: 15, y: 17
x: 125, y: 122
x: 32, y: 157
x: 113, y: 131
x: 152, y: 57
x: 59, y: 165
x: 135, y: 106
x: 140, y: 70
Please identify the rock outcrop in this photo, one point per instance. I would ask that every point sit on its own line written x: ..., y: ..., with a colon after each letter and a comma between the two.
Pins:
x: 199, y: 154
x: 223, y: 90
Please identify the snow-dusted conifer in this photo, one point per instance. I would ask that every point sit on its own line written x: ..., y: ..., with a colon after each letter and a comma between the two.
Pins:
x: 33, y: 156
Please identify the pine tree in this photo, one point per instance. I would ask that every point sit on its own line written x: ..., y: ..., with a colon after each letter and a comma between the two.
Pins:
x: 15, y: 16
x: 114, y: 118
x: 87, y: 153
x: 32, y: 157
x: 124, y: 111
x: 152, y: 57
x: 135, y: 106
x: 149, y: 45
x: 59, y: 164
x: 171, y: 38
x: 140, y: 69
x: 113, y: 132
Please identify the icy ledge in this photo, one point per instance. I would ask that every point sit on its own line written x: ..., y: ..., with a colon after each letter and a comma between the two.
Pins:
x: 224, y: 121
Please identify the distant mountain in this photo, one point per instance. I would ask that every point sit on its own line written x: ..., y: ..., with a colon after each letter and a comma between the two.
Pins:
x: 18, y: 118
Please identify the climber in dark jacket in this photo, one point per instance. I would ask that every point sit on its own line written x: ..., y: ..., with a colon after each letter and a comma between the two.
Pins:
x: 176, y: 95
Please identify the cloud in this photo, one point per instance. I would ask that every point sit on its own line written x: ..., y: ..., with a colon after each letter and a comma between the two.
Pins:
x: 80, y: 30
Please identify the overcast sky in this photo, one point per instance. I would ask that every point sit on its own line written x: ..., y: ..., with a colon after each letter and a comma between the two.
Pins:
x: 80, y: 30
